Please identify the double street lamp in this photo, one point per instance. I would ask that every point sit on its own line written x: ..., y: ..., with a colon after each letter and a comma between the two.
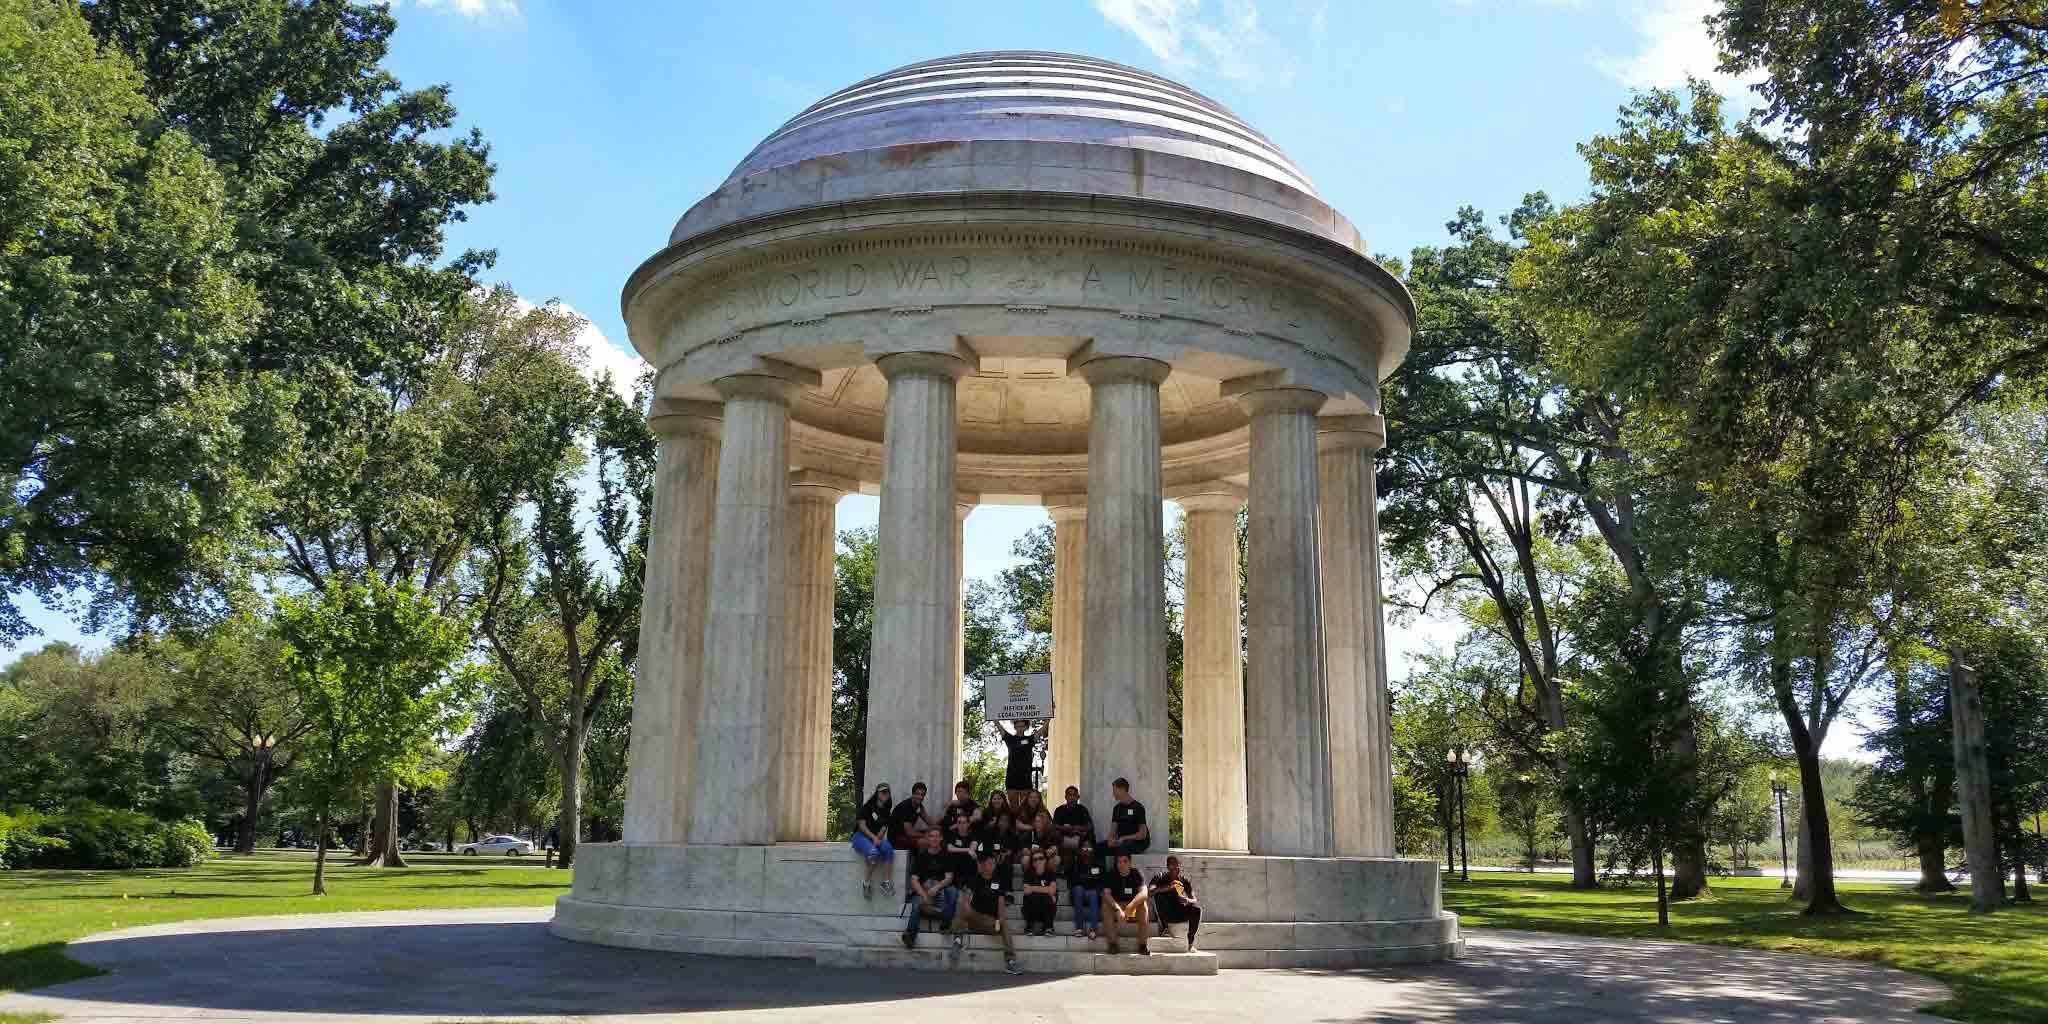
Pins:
x: 1784, y: 862
x: 1460, y: 768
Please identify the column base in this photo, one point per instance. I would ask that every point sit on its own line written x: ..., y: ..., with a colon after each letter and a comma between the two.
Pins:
x: 804, y: 901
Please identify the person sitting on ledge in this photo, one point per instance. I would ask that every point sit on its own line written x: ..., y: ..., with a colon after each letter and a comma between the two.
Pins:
x: 931, y: 886
x: 1174, y: 895
x: 1128, y: 832
x: 1124, y: 895
x: 871, y: 839
x: 986, y: 910
x: 959, y: 846
x: 997, y: 838
x: 1085, y: 879
x: 1041, y: 895
x: 962, y: 805
x: 908, y: 822
x: 1075, y: 825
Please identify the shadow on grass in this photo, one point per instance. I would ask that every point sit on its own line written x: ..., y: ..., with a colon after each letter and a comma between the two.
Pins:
x: 38, y: 965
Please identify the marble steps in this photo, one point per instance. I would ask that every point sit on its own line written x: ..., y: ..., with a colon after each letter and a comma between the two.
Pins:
x: 983, y: 955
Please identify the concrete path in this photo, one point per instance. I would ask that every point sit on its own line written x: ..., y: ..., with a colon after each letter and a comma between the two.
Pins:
x: 501, y: 964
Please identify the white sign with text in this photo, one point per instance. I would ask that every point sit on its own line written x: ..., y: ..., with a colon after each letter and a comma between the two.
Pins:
x: 1014, y: 697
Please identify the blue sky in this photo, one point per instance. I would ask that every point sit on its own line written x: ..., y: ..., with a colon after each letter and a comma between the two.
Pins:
x: 607, y: 120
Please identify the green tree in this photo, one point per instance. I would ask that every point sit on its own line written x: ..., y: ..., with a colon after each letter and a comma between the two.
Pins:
x: 124, y: 437
x: 853, y: 626
x: 559, y: 613
x: 375, y: 667
x: 232, y: 704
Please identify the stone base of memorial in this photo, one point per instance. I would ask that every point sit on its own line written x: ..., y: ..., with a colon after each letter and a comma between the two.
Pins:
x: 803, y: 901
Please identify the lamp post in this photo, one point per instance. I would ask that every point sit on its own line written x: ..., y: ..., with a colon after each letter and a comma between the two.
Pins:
x: 1784, y: 862
x: 1455, y: 760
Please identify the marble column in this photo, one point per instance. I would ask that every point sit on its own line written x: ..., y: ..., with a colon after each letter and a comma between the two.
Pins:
x: 1212, y: 693
x: 945, y: 784
x: 1124, y: 657
x: 914, y: 682
x: 806, y: 764
x: 1069, y: 565
x: 1286, y: 721
x: 1360, y: 763
x: 739, y: 737
x: 669, y: 671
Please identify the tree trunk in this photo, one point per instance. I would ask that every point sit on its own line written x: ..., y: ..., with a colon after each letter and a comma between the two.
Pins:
x: 255, y: 785
x: 1973, y: 785
x: 572, y: 796
x: 1823, y: 899
x: 1933, y: 863
x: 1583, y: 874
x: 363, y: 835
x: 1663, y: 897
x: 1688, y: 843
x: 320, y: 853
x: 384, y: 831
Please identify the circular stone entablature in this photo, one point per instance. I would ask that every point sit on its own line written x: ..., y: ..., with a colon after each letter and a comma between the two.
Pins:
x: 1026, y: 212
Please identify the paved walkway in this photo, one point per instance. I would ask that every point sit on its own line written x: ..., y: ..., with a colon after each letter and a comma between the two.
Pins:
x: 501, y: 964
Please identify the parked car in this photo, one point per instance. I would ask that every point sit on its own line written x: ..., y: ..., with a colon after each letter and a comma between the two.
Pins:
x: 510, y: 846
x: 429, y: 846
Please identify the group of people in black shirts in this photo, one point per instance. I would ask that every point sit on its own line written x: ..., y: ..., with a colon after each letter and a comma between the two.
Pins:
x: 969, y: 863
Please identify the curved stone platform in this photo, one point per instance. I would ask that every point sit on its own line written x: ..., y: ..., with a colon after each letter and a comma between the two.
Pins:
x: 803, y: 901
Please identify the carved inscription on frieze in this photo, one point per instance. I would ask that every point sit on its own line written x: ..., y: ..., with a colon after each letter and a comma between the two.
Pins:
x: 1043, y: 276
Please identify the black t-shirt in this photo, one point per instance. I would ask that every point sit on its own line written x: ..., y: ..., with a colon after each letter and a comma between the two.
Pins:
x: 1040, y: 878
x: 995, y: 840
x: 1125, y: 887
x: 982, y: 893
x: 1073, y: 814
x: 931, y: 867
x: 1089, y: 875
x: 957, y: 809
x: 1018, y: 776
x: 906, y: 814
x: 874, y: 814
x: 1127, y: 817
x: 1163, y: 894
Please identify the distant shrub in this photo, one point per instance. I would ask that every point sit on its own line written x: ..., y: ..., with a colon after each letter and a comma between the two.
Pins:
x: 91, y: 836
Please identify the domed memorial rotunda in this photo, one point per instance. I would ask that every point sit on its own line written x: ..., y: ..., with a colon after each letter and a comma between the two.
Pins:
x: 1018, y: 278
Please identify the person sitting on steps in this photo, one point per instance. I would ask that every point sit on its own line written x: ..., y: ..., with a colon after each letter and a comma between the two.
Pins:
x: 931, y: 886
x: 871, y: 839
x: 1174, y: 895
x: 962, y: 806
x: 1041, y: 895
x: 1128, y: 831
x: 987, y: 906
x: 1124, y: 896
x: 1073, y: 822
x: 1085, y: 879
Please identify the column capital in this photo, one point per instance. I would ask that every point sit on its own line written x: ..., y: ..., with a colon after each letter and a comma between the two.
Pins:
x: 818, y: 485
x: 963, y: 504
x: 772, y: 381
x: 923, y: 364
x: 1259, y: 396
x: 1208, y: 496
x: 681, y: 417
x: 1344, y: 433
x: 1098, y: 369
x: 1065, y: 507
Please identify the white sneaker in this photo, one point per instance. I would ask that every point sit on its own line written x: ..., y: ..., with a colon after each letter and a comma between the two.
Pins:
x: 888, y: 887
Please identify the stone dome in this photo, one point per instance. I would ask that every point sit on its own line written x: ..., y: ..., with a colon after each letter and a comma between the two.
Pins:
x: 1019, y: 121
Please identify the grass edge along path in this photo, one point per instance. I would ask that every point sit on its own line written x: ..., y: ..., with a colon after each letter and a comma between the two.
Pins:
x: 41, y: 911
x: 1996, y: 965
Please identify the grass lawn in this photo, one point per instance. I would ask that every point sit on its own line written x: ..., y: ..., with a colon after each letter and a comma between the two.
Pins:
x: 1997, y: 965
x: 42, y: 910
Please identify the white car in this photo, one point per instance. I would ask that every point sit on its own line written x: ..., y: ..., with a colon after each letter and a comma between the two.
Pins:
x: 510, y: 846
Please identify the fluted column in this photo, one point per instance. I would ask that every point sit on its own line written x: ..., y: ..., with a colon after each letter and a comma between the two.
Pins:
x: 1379, y: 750
x: 913, y: 692
x: 807, y: 721
x: 961, y: 510
x: 1287, y: 719
x: 1360, y: 763
x: 739, y: 737
x: 1069, y: 564
x: 1212, y: 689
x: 1124, y: 657
x: 669, y: 670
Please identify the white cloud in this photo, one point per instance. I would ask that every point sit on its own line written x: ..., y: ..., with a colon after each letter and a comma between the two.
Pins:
x: 1675, y: 46
x: 1185, y: 35
x: 474, y: 8
x: 599, y: 354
